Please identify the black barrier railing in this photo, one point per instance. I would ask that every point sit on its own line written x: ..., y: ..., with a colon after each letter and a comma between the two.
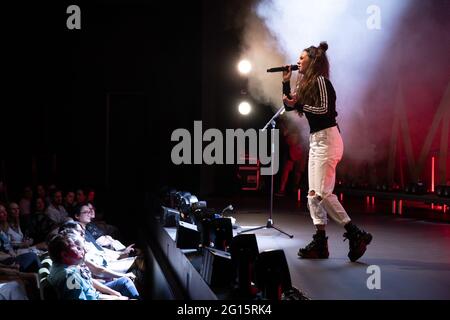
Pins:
x: 181, y: 277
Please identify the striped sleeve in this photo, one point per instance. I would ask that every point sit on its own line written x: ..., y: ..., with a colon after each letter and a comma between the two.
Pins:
x: 323, y: 107
x: 287, y: 92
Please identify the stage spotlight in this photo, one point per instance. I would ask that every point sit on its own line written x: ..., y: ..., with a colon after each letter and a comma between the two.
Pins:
x: 244, y: 108
x: 244, y: 66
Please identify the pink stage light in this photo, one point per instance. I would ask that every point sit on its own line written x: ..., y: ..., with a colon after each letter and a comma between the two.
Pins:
x: 432, y: 174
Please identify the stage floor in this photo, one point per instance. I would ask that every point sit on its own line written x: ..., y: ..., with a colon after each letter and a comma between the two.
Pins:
x: 413, y: 255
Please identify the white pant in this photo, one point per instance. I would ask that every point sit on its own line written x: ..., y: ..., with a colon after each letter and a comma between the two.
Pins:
x: 325, y: 151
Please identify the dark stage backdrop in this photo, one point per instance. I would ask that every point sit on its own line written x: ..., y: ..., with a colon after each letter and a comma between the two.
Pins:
x: 96, y: 107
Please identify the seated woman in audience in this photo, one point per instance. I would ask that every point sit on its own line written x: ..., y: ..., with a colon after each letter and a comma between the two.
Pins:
x: 99, y: 227
x: 116, y: 261
x: 39, y: 225
x: 27, y: 262
x: 15, y: 232
x: 92, y: 226
x: 21, y: 240
x: 26, y: 200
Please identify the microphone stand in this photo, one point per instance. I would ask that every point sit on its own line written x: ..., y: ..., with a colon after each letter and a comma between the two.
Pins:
x: 269, y: 224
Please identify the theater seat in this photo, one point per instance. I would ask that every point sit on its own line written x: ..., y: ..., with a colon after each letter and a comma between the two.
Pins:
x: 47, y: 292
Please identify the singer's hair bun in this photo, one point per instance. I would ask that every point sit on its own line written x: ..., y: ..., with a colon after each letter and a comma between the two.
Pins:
x: 324, y: 46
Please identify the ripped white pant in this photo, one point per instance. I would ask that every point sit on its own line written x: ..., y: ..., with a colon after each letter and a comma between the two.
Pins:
x: 325, y: 151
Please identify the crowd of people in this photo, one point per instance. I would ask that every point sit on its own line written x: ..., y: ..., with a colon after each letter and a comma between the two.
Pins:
x: 88, y: 262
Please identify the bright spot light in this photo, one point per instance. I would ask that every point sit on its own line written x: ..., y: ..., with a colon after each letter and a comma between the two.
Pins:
x: 244, y: 108
x: 244, y: 66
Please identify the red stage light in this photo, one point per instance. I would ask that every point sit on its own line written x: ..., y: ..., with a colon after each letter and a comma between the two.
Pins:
x: 432, y: 174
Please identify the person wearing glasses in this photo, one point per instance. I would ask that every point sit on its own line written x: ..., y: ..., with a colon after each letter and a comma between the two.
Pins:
x: 112, y: 260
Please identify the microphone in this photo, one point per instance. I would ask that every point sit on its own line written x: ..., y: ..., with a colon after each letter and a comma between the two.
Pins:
x: 229, y: 208
x: 280, y: 69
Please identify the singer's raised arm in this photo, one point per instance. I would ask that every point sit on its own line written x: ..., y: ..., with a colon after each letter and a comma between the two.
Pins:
x: 287, y: 93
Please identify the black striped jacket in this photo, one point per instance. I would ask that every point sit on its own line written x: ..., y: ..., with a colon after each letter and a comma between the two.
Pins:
x: 320, y: 116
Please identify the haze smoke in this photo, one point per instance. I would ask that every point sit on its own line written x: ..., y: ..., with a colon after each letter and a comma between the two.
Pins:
x: 367, y: 64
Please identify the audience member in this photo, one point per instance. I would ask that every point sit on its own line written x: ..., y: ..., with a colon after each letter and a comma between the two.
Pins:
x: 55, y: 210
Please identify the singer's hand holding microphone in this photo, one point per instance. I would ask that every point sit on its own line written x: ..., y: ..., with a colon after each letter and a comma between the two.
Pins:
x: 286, y: 69
x: 283, y: 68
x: 287, y: 74
x: 291, y: 101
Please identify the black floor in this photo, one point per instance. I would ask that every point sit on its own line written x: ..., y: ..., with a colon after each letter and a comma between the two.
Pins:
x: 413, y: 254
